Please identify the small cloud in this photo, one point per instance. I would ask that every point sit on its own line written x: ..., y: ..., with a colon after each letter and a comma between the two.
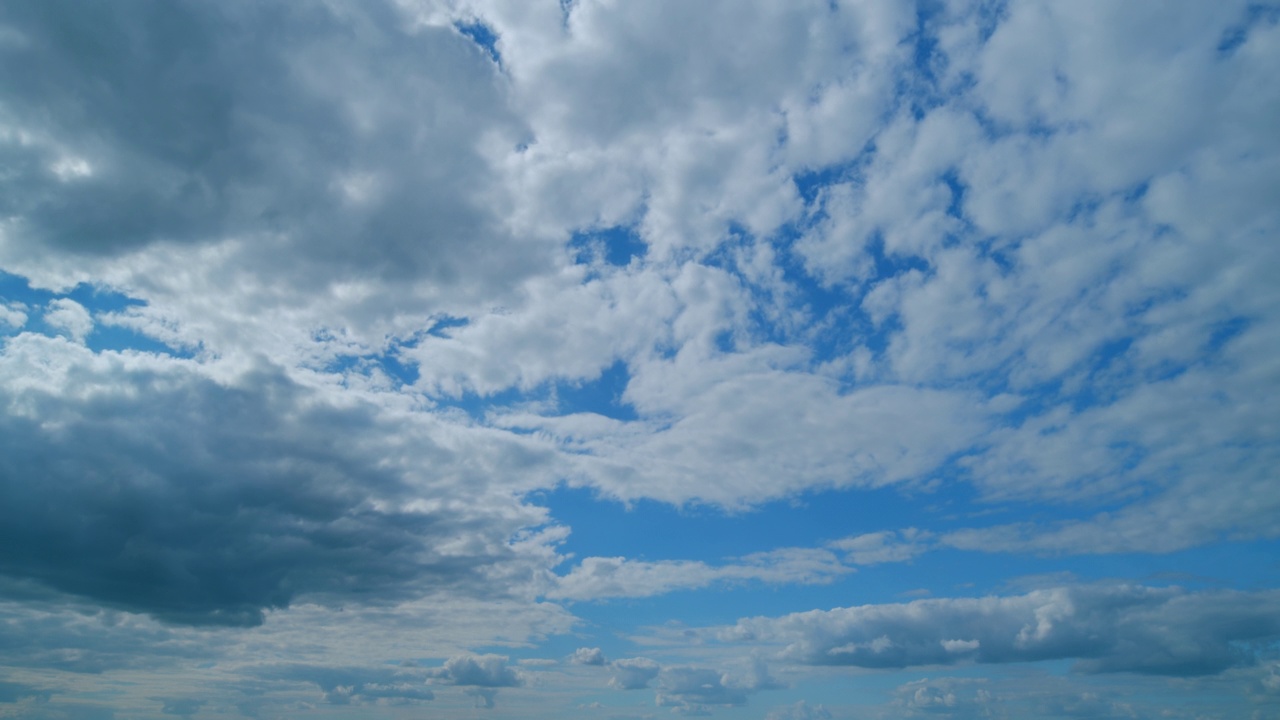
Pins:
x: 588, y: 656
x: 69, y: 317
x: 13, y: 315
x: 489, y: 671
x: 633, y: 673
x: 960, y: 646
x: 884, y: 547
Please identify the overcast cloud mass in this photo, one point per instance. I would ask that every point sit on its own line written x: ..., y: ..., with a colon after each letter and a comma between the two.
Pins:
x: 593, y: 359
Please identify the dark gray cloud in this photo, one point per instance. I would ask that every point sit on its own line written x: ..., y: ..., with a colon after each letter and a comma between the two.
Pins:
x: 11, y: 692
x: 183, y: 707
x: 157, y: 489
x: 1162, y: 631
x: 335, y: 141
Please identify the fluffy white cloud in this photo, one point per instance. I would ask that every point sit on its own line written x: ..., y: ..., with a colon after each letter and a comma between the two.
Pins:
x: 259, y: 168
x: 13, y: 315
x: 1016, y: 258
x: 488, y: 671
x: 69, y: 317
x: 588, y: 656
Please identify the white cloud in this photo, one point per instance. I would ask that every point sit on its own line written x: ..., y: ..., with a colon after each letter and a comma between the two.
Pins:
x: 596, y: 578
x: 1125, y: 628
x: 884, y: 546
x: 70, y: 317
x: 588, y: 656
x: 1026, y: 249
x: 224, y: 195
x: 13, y: 315
x: 633, y: 673
x: 488, y: 671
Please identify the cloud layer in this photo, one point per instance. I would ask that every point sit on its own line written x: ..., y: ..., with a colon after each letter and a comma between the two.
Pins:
x: 383, y: 353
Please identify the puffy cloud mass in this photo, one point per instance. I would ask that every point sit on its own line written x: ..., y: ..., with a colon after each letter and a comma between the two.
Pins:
x: 377, y: 352
x: 151, y: 485
x: 488, y: 671
x: 1124, y: 628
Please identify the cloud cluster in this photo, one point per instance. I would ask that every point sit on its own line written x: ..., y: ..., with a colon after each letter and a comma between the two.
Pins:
x: 281, y: 155
x: 346, y: 686
x: 487, y: 671
x: 1125, y: 628
x: 418, y: 263
x: 150, y: 484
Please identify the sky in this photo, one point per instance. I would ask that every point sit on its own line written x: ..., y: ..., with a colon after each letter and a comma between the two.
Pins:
x: 603, y: 360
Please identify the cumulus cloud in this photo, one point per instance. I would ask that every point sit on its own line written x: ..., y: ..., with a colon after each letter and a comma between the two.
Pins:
x: 69, y: 317
x: 278, y: 154
x: 484, y: 671
x: 633, y: 673
x: 209, y: 500
x: 588, y: 656
x: 1016, y: 261
x: 13, y: 315
x: 1163, y: 631
x: 948, y: 697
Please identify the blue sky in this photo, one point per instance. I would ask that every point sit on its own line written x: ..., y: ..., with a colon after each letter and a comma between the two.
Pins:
x: 600, y: 360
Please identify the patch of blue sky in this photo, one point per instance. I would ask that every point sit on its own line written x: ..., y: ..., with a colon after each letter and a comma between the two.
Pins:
x: 483, y: 36
x: 835, y: 323
x: 810, y: 183
x: 478, y: 407
x: 995, y: 128
x: 1255, y: 14
x: 116, y: 337
x: 387, y: 363
x: 939, y: 573
x: 602, y: 396
x: 917, y: 91
x: 618, y: 245
x: 97, y: 301
x: 651, y: 530
x: 566, y: 10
